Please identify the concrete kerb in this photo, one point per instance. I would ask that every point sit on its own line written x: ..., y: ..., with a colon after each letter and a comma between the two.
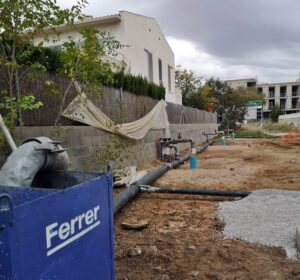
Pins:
x: 298, y: 239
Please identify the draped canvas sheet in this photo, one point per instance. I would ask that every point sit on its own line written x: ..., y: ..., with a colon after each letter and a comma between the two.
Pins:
x: 81, y: 109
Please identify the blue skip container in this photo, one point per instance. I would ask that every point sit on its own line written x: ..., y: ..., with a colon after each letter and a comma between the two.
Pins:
x: 62, y: 232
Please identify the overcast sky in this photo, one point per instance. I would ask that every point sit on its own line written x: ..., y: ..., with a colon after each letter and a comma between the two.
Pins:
x: 223, y: 38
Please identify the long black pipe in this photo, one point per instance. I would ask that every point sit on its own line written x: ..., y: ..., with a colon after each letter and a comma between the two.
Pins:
x: 201, y: 149
x: 129, y: 193
x: 149, y: 189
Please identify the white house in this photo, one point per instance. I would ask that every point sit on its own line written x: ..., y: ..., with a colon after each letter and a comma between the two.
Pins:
x: 146, y: 51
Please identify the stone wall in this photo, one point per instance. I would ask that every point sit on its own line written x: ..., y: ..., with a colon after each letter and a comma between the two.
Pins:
x: 83, y: 143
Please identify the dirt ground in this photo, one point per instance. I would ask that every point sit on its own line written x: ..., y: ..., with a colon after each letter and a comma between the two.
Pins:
x: 184, y: 238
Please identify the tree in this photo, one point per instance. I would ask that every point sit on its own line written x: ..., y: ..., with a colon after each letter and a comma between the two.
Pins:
x: 231, y: 104
x: 84, y: 61
x: 231, y: 108
x: 201, y: 98
x: 20, y: 21
x: 188, y: 83
x: 194, y: 94
x: 275, y: 113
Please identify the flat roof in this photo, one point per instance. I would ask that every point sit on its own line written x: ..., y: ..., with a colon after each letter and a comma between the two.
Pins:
x: 278, y: 83
x: 240, y: 80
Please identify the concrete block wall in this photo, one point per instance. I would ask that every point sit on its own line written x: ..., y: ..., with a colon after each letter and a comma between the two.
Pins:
x: 83, y: 142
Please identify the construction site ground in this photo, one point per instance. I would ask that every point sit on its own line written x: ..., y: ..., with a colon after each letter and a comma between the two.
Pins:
x: 184, y: 239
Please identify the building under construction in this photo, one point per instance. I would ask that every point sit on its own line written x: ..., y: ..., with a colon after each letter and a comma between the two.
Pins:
x: 284, y: 94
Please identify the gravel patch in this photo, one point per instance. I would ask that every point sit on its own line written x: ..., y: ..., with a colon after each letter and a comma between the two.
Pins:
x: 267, y: 216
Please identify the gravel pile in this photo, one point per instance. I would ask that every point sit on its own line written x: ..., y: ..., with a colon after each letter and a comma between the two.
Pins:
x: 268, y: 217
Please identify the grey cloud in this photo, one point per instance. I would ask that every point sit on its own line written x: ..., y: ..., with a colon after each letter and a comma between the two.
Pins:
x: 233, y: 28
x: 262, y: 34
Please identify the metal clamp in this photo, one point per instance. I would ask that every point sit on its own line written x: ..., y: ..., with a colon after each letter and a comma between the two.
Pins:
x: 7, y: 206
x: 144, y: 188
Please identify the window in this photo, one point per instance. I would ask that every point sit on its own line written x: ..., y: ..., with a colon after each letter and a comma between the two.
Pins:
x: 283, y: 91
x: 271, y: 92
x: 251, y: 84
x: 295, y: 90
x: 282, y: 104
x: 259, y: 89
x: 170, y: 69
x: 295, y: 103
x: 150, y: 65
x: 258, y: 114
x: 271, y: 104
x: 160, y: 71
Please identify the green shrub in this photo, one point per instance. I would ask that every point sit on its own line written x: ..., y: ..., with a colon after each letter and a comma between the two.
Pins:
x: 275, y: 113
x: 48, y: 57
x: 51, y: 59
x: 138, y: 85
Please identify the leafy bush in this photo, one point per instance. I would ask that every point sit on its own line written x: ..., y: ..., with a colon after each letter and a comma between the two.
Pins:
x: 275, y: 113
x: 137, y: 85
x: 52, y: 60
x: 49, y: 58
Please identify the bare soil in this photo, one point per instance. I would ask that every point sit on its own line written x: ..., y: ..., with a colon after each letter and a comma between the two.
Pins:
x: 184, y: 237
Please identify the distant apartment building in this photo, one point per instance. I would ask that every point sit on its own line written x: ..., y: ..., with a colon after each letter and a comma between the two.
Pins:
x: 284, y: 94
x: 243, y: 83
x: 145, y: 49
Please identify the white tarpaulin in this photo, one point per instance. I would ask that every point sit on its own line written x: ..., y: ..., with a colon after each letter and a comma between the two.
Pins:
x: 81, y: 109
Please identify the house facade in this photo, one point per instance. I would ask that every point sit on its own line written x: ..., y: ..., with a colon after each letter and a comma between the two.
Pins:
x: 284, y: 94
x: 145, y: 49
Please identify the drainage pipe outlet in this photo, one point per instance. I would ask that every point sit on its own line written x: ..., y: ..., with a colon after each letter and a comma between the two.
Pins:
x: 33, y: 155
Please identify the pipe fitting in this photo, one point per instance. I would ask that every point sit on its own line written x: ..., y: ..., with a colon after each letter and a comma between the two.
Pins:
x: 27, y: 160
x: 56, y: 158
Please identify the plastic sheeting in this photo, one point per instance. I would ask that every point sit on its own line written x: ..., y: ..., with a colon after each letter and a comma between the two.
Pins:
x: 81, y: 109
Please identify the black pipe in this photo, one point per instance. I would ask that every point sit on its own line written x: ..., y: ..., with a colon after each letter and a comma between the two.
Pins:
x: 177, y: 141
x: 201, y: 149
x: 129, y: 193
x: 194, y: 191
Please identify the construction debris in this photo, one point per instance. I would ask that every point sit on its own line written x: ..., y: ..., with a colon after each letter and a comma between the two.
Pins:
x: 133, y: 252
x: 136, y: 225
x: 126, y: 176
